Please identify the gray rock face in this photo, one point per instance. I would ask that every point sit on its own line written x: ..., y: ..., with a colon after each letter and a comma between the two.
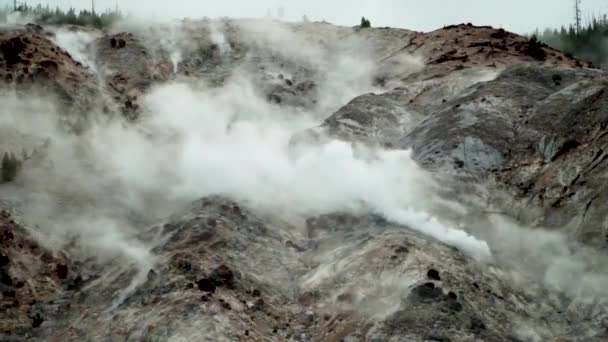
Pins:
x: 370, y: 119
x: 529, y: 134
x: 512, y: 142
x: 536, y: 129
x: 497, y: 121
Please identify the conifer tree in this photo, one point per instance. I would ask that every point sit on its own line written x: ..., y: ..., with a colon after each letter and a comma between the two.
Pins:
x: 10, y: 167
x: 365, y: 23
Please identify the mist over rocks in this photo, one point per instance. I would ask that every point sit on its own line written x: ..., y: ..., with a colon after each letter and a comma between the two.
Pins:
x: 244, y: 179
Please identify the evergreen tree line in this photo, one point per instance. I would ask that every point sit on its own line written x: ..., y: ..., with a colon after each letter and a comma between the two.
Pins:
x: 589, y: 43
x: 45, y: 15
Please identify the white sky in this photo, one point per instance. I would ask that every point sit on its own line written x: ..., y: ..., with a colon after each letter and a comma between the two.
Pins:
x: 423, y: 15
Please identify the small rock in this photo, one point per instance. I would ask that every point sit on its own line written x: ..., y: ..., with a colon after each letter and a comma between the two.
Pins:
x: 259, y: 304
x: 237, y: 211
x: 5, y: 278
x: 274, y: 98
x: 439, y: 337
x: 225, y: 305
x: 557, y: 79
x: 7, y: 235
x: 75, y: 284
x: 9, y: 294
x: 62, y: 271
x: 428, y: 291
x: 185, y: 266
x: 345, y: 297
x: 305, y: 86
x: 455, y: 306
x: 152, y: 275
x: 401, y: 250
x: 206, y: 285
x: 4, y: 260
x: 433, y: 274
x: 37, y: 320
x: 223, y: 276
x: 477, y: 325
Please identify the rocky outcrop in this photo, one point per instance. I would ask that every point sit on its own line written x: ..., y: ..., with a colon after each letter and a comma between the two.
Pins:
x: 465, y: 45
x: 225, y: 273
x: 128, y: 70
x: 30, y: 60
x: 370, y: 119
x: 32, y: 277
x: 457, y: 58
x: 526, y: 129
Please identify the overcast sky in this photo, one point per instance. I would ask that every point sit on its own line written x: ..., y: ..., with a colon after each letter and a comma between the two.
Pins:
x: 423, y: 15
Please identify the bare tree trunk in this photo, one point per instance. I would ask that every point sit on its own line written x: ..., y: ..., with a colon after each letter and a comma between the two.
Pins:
x: 577, y: 15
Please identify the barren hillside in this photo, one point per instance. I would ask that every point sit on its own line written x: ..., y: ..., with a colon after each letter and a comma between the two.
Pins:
x: 253, y: 180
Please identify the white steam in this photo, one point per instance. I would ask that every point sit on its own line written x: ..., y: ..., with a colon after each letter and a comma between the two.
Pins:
x: 19, y: 18
x: 102, y: 187
x: 249, y: 159
x: 106, y: 185
x: 240, y: 147
x: 195, y: 141
x: 219, y: 39
x: 170, y: 41
x: 78, y: 44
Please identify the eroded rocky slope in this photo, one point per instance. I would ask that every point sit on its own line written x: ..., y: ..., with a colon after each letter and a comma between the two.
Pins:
x: 509, y: 134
